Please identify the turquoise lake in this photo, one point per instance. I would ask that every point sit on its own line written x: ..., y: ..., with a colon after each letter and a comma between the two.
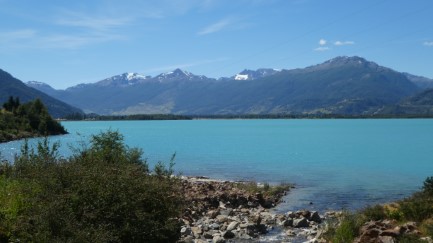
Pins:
x: 335, y: 163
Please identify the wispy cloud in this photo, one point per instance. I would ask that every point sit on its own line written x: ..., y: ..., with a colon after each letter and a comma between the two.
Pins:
x: 344, y: 43
x: 216, y: 27
x: 428, y: 43
x: 75, y: 41
x: 322, y: 48
x: 322, y: 42
x: 101, y: 23
x: 17, y: 35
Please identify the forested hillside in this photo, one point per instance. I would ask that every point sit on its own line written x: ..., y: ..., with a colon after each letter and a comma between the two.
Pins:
x: 26, y: 120
x: 10, y: 86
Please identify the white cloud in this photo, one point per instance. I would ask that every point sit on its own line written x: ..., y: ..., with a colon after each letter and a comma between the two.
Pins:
x: 322, y: 48
x: 74, y: 41
x: 216, y: 27
x: 428, y: 43
x: 344, y: 43
x: 16, y: 35
x: 92, y: 22
x: 322, y: 42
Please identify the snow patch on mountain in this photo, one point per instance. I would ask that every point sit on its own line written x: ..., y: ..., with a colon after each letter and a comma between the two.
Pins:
x: 241, y: 77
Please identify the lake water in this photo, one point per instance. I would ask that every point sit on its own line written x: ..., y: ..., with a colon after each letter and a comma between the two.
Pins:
x: 334, y: 163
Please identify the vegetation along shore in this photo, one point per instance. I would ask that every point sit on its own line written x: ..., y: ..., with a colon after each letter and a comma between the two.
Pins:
x: 26, y: 120
x: 106, y: 192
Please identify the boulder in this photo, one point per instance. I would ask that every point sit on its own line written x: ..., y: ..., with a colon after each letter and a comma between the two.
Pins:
x: 221, y: 218
x: 387, y: 239
x: 232, y: 226
x: 184, y: 231
x: 212, y: 213
x: 300, y: 223
x: 214, y: 226
x: 197, y: 231
x: 227, y: 212
x: 218, y: 239
x: 390, y: 232
x: 228, y: 234
x: 287, y: 223
x: 290, y: 233
x: 315, y: 217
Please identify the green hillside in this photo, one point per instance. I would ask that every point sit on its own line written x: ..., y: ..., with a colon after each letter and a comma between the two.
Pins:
x: 343, y: 85
x: 10, y: 86
x: 26, y: 120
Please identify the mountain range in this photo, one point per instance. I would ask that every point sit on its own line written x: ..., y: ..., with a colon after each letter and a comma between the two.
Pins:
x: 10, y: 86
x: 342, y: 85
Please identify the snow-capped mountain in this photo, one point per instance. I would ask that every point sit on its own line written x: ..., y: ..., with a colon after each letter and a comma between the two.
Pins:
x: 252, y: 75
x: 342, y: 85
x: 47, y: 89
x: 178, y: 75
x: 125, y: 79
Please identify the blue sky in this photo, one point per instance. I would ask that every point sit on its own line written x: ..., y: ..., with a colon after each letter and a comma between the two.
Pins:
x: 64, y: 43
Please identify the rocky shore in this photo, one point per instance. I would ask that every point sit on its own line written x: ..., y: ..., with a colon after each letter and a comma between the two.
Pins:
x: 222, y: 211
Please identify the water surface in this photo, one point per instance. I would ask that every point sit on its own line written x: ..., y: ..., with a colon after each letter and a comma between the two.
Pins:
x: 335, y: 163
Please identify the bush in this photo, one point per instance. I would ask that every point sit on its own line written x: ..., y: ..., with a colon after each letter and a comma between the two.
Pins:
x: 105, y: 193
x: 348, y: 228
x: 377, y: 212
x: 417, y: 208
x: 428, y: 186
x: 427, y: 228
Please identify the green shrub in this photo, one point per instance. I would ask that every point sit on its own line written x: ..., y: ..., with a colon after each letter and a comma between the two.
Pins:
x: 427, y: 227
x: 376, y: 212
x: 395, y: 214
x: 104, y: 193
x: 348, y: 229
x: 410, y: 238
x: 417, y: 208
x: 428, y: 186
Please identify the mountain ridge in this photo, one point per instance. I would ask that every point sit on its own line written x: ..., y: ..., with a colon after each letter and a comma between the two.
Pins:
x: 342, y: 85
x: 11, y: 86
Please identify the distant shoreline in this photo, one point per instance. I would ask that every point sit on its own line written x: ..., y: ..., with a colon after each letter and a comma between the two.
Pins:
x: 164, y: 117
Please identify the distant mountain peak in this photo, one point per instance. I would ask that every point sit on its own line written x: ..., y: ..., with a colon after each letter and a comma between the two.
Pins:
x: 132, y: 76
x: 336, y: 62
x: 179, y: 74
x: 248, y: 74
x: 37, y: 84
x: 124, y: 79
x: 347, y: 59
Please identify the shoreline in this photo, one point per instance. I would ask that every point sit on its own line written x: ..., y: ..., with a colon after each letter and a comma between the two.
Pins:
x: 226, y: 211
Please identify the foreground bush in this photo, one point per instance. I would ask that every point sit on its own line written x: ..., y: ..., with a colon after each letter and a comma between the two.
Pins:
x: 104, y: 193
x: 417, y: 208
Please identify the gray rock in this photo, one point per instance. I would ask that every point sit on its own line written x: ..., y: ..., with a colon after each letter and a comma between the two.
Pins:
x: 197, y: 231
x: 184, y: 231
x: 315, y: 217
x: 214, y: 226
x: 290, y: 233
x: 243, y: 226
x: 188, y: 239
x: 232, y: 226
x: 387, y: 239
x: 287, y: 223
x: 228, y: 234
x: 208, y: 235
x: 227, y: 212
x: 222, y: 218
x: 213, y: 213
x: 218, y: 239
x: 300, y: 223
